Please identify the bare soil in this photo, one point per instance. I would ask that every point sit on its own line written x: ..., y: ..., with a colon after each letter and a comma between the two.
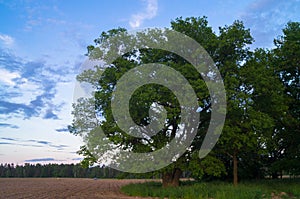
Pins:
x: 63, y: 188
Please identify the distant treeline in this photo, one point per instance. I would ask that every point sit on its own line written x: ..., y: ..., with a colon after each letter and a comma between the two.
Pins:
x: 78, y: 171
x: 57, y: 170
x: 66, y: 171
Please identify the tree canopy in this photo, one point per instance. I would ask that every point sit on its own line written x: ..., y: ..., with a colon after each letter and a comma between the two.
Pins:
x: 262, y: 101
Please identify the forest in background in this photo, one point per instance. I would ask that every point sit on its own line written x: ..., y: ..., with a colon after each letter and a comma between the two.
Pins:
x: 68, y: 171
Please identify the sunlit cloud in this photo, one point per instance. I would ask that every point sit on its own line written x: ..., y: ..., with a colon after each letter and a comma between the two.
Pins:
x: 6, y: 40
x: 150, y: 12
x: 8, y: 77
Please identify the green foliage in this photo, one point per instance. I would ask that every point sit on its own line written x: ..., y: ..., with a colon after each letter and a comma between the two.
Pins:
x: 141, y: 99
x: 261, y: 131
x: 209, y: 166
x: 89, y: 159
x: 286, y: 61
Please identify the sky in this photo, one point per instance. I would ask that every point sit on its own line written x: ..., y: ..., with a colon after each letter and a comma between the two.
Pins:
x: 42, y: 46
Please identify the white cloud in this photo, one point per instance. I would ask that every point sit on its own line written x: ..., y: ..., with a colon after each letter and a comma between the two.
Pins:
x: 6, y: 40
x: 267, y: 18
x: 7, y: 77
x: 28, y: 91
x: 150, y: 12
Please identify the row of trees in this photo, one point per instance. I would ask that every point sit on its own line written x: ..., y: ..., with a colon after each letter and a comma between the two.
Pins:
x: 261, y: 134
x: 58, y: 170
x: 68, y: 171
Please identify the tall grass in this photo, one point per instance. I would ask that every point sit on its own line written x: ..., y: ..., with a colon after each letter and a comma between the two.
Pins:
x: 218, y: 190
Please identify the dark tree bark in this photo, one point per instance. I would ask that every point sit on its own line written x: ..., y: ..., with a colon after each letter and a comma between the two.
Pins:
x: 171, y: 178
x: 235, y: 169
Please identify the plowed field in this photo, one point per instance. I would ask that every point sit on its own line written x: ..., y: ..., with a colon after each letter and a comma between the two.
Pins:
x: 62, y: 188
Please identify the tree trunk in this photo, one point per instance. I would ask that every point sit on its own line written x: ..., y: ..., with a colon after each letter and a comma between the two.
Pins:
x: 171, y: 178
x: 274, y: 175
x: 235, y: 169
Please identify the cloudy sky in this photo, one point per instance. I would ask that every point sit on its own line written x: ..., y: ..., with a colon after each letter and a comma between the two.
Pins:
x: 42, y: 45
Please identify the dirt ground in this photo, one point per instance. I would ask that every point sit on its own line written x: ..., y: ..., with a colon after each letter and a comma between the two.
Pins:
x: 63, y: 188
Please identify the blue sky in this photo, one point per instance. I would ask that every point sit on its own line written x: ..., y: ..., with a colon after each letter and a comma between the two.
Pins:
x: 42, y: 44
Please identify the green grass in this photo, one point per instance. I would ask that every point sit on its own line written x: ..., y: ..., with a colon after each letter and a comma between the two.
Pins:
x: 288, y: 188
